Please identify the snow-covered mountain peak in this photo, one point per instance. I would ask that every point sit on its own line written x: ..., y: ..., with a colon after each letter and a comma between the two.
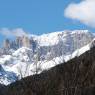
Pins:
x: 80, y: 31
x: 49, y: 39
x: 30, y: 54
x: 55, y: 37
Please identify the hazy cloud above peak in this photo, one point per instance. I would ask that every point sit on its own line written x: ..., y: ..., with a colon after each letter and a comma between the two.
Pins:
x: 12, y: 32
x: 83, y: 12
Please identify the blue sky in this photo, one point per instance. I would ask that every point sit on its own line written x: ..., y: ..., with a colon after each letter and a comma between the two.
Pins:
x: 37, y: 16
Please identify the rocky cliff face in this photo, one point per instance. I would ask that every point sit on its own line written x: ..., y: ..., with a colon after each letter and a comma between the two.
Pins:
x: 56, y: 44
x: 75, y: 77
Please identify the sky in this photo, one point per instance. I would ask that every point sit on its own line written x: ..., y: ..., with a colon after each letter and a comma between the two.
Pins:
x: 45, y: 16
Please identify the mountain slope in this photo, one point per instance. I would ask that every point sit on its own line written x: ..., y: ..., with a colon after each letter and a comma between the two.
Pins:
x: 19, y: 69
x: 75, y: 77
x: 44, y: 52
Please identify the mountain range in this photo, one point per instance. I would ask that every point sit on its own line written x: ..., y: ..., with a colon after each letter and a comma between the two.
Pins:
x: 75, y: 77
x: 31, y: 54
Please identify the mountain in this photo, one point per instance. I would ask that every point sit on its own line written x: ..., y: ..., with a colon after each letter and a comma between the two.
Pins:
x: 28, y: 55
x: 75, y: 77
x: 7, y: 77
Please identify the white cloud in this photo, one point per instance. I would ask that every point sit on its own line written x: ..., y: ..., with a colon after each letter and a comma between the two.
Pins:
x: 19, y: 32
x: 13, y: 32
x: 83, y: 12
